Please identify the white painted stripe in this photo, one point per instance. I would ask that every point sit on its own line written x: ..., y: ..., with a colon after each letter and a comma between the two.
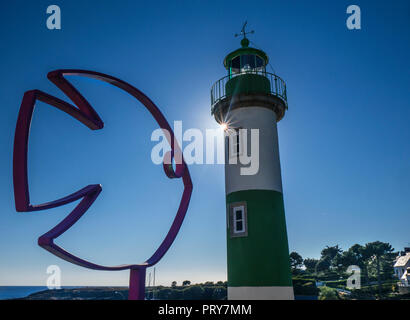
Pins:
x: 260, y: 293
x: 269, y: 174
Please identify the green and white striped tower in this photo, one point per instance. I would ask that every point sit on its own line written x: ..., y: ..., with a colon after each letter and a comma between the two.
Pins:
x: 257, y: 243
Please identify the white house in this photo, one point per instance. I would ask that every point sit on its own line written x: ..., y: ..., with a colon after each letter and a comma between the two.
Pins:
x: 402, y: 269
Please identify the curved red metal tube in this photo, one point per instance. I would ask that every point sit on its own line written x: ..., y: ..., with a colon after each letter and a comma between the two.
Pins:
x: 89, y: 117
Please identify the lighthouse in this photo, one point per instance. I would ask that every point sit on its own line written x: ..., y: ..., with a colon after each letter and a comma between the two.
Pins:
x: 248, y: 103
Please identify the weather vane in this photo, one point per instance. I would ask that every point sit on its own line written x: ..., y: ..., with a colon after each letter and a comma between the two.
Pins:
x: 243, y: 32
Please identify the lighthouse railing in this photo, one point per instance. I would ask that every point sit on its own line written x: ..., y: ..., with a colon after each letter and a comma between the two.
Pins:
x: 277, y: 85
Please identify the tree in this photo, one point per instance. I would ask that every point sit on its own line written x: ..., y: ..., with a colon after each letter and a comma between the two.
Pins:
x: 387, y: 265
x: 323, y: 265
x: 353, y: 256
x: 332, y: 254
x: 357, y: 255
x: 195, y: 292
x: 310, y: 264
x: 347, y: 258
x: 208, y: 292
x: 329, y: 258
x: 296, y: 261
x: 173, y: 284
x: 186, y: 283
x: 164, y: 293
x: 379, y: 251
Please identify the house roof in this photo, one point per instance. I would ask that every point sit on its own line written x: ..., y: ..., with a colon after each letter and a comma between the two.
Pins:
x: 403, y: 260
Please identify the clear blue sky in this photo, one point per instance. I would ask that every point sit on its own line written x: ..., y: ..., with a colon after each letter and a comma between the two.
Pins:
x: 344, y: 143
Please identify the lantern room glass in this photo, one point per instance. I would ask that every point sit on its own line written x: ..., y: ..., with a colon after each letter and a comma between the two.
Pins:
x: 247, y: 63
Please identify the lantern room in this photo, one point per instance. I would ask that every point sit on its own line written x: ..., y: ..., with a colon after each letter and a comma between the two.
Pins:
x: 246, y: 60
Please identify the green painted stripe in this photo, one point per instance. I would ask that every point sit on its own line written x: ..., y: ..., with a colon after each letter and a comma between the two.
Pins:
x: 262, y: 257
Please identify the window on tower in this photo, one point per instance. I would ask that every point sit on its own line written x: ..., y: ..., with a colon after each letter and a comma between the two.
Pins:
x: 238, y: 219
x: 235, y: 142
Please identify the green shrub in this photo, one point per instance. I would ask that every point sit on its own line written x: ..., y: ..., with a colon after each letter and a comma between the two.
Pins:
x: 304, y: 287
x: 327, y: 293
x: 220, y: 293
x: 336, y: 283
x: 371, y: 290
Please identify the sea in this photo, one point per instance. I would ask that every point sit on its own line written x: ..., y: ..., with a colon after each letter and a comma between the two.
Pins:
x: 13, y: 292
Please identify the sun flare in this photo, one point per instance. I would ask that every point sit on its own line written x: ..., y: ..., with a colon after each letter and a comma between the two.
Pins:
x: 224, y: 126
